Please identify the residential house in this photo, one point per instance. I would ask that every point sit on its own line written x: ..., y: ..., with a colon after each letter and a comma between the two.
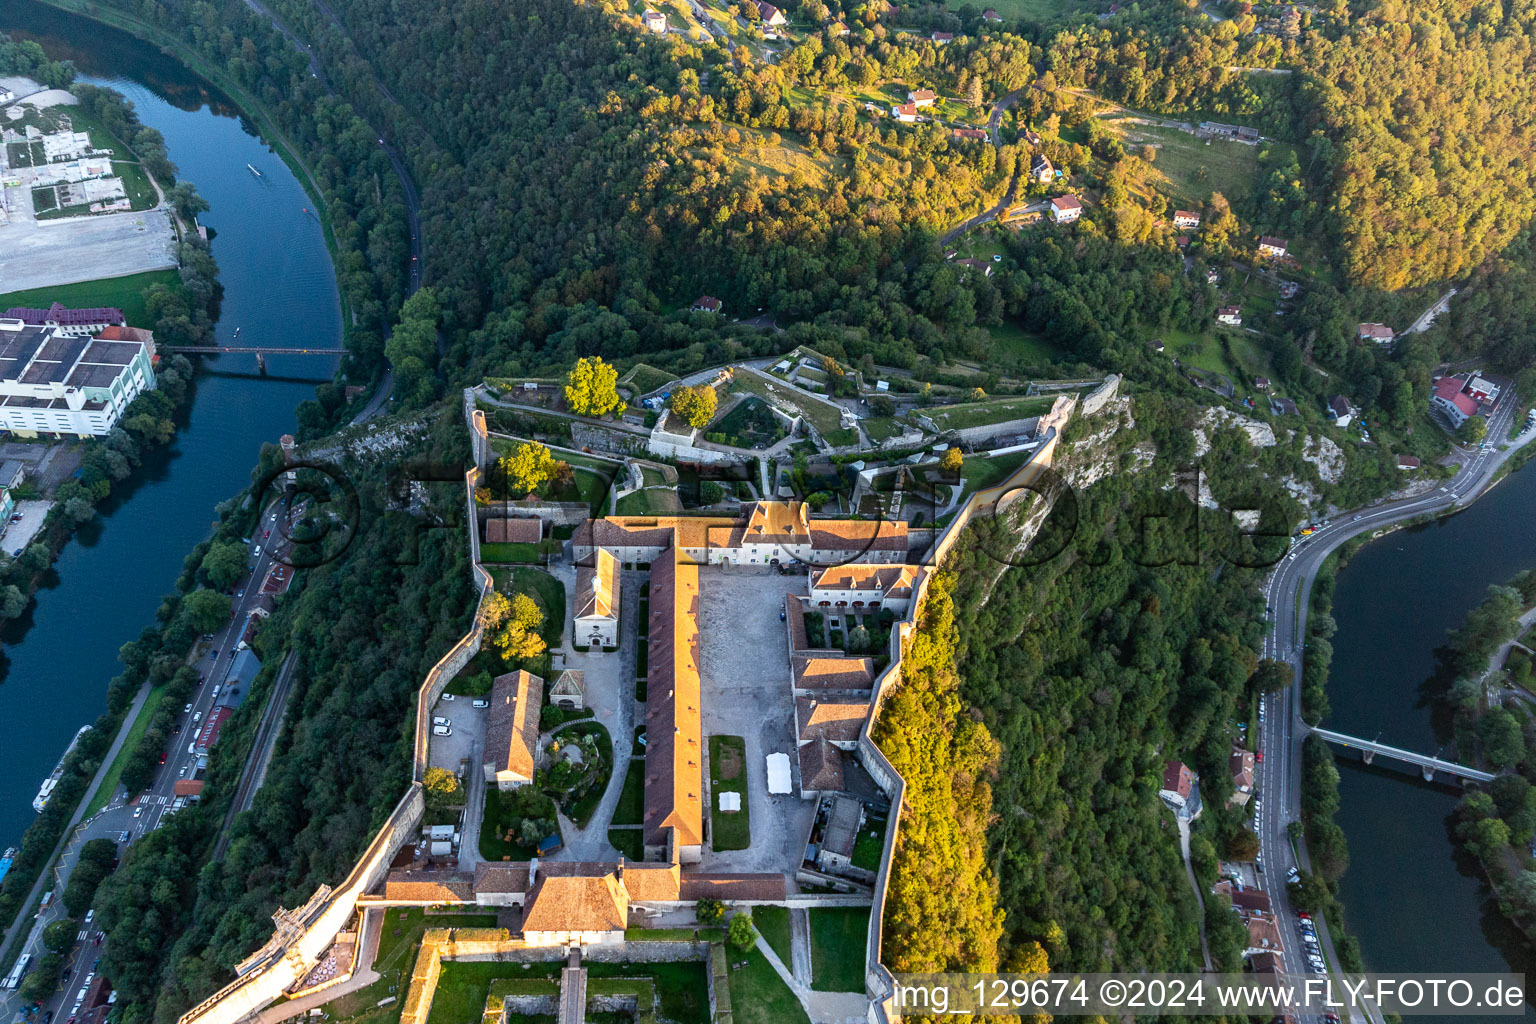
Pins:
x: 1212, y: 276
x: 1381, y: 334
x: 1032, y: 137
x: 837, y: 28
x: 921, y: 97
x: 1066, y: 209
x: 1272, y: 247
x: 1407, y: 462
x: 905, y: 112
x: 706, y: 304
x: 971, y: 134
x: 1261, y: 383
x: 674, y: 774
x: 983, y: 267
x: 71, y: 323
x: 1232, y: 316
x: 512, y: 729
x: 56, y: 384
x: 1450, y: 399
x: 990, y: 15
x: 568, y: 690
x: 1283, y: 407
x: 655, y: 21
x: 943, y: 38
x: 1178, y: 783
x: 1341, y: 411
x: 596, y: 617
x: 870, y: 586
x: 1288, y: 289
x: 1157, y: 345
x: 1185, y: 219
x: 1040, y: 169
x: 770, y: 14
x: 1240, y: 764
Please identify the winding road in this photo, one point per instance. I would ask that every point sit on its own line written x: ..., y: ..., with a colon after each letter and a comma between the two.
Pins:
x: 1286, y: 596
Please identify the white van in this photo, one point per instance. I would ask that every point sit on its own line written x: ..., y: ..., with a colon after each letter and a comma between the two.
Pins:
x: 441, y: 721
x: 442, y: 730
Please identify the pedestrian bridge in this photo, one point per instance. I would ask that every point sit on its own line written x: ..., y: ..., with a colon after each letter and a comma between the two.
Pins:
x: 1427, y: 765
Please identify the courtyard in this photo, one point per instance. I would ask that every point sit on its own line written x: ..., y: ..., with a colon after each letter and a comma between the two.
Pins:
x: 744, y: 669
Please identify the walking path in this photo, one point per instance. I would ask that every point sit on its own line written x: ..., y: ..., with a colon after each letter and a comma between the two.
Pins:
x: 363, y: 976
x: 821, y: 1007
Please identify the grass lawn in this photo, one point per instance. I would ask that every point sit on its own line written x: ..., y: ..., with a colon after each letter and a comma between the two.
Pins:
x: 840, y: 438
x: 508, y: 551
x: 1191, y: 169
x: 506, y: 810
x: 981, y: 414
x: 135, y: 732
x: 773, y: 924
x: 838, y: 936
x: 728, y: 774
x: 1012, y: 342
x: 645, y: 378
x: 759, y: 995
x: 868, y: 847
x: 631, y: 806
x: 403, y: 928
x: 652, y: 477
x: 980, y: 471
x: 464, y: 986
x: 126, y: 293
x: 580, y: 811
x: 136, y: 184
x: 648, y: 501
x: 879, y: 428
x: 824, y: 416
x: 628, y: 841
x: 550, y: 594
x: 683, y: 986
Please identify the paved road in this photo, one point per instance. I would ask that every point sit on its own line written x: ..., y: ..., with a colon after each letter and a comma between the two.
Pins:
x: 1427, y: 318
x: 261, y: 752
x: 146, y: 812
x: 1286, y: 594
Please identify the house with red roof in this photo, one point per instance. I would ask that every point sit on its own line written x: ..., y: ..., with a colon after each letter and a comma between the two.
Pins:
x: 921, y: 97
x: 1381, y: 334
x: 706, y: 304
x: 943, y: 38
x: 1066, y: 209
x: 1273, y: 247
x: 770, y: 14
x: 906, y: 112
x: 1451, y: 400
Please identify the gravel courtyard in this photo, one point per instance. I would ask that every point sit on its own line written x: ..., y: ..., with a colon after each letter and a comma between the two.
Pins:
x: 744, y: 663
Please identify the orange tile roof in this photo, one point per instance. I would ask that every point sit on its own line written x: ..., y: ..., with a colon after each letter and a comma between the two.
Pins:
x: 652, y: 882
x: 512, y: 731
x: 576, y: 903
x: 674, y: 774
x: 814, y: 673
x: 734, y: 887
x: 891, y: 580
x: 519, y: 530
x: 596, y: 586
x: 837, y: 720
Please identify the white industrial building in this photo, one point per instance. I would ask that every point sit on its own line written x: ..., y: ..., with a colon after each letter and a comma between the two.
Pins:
x: 55, y: 384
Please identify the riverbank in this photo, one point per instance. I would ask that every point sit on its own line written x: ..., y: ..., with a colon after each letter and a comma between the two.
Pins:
x: 1413, y: 900
x: 276, y: 268
x: 254, y: 110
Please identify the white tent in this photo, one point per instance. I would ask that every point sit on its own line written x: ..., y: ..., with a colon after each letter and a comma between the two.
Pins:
x: 778, y: 773
x: 730, y: 802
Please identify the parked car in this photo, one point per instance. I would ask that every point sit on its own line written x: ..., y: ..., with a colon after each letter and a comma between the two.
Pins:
x: 447, y: 696
x: 481, y: 703
x: 442, y: 730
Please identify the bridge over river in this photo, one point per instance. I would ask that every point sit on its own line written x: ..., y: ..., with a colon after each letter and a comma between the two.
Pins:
x: 1427, y: 765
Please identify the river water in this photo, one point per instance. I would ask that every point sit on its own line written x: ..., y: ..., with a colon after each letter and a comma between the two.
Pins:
x: 279, y: 288
x: 1413, y: 901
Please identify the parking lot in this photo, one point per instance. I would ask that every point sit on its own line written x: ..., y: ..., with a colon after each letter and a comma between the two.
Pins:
x: 744, y: 665
x: 19, y: 534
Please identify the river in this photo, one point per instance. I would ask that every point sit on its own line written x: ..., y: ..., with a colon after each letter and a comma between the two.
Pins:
x: 279, y: 288
x: 1415, y: 903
